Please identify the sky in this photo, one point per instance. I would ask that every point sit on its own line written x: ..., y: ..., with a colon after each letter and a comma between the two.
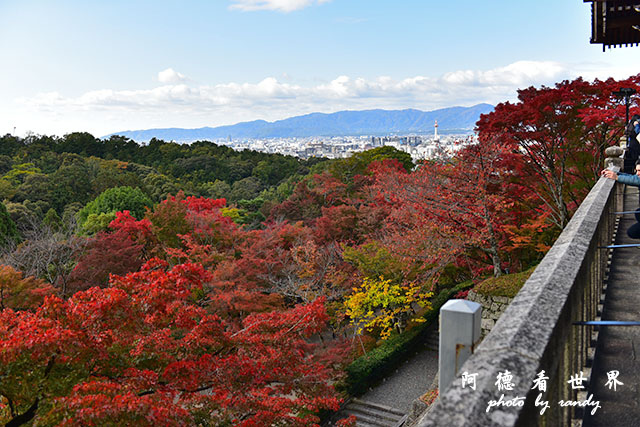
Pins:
x: 107, y: 66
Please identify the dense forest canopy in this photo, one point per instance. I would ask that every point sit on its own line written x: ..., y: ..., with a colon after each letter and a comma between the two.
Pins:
x: 197, y: 285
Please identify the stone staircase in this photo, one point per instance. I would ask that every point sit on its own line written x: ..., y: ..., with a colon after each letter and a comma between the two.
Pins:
x: 369, y: 414
x: 392, y: 391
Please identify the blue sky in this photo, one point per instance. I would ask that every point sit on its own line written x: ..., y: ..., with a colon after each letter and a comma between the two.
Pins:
x: 105, y: 66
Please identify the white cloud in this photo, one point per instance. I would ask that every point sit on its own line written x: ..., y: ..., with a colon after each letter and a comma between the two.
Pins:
x: 171, y: 76
x: 521, y: 73
x: 279, y: 5
x: 184, y: 104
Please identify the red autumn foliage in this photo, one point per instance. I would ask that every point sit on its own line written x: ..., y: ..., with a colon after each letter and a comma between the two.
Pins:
x: 337, y: 224
x: 191, y: 228
x: 146, y: 349
x: 138, y: 231
x: 106, y: 253
x: 562, y: 132
x: 303, y: 205
x: 446, y: 209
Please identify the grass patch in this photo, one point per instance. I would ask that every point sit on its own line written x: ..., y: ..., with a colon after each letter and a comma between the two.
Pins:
x: 506, y: 285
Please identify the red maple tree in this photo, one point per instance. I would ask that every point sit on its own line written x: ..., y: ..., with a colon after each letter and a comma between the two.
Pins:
x: 560, y: 130
x: 145, y: 351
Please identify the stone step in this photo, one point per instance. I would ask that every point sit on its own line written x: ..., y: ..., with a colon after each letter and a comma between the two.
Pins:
x: 364, y: 420
x: 378, y: 406
x: 370, y: 414
x: 433, y: 340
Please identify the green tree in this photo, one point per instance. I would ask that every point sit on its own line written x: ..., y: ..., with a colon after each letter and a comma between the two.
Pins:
x: 111, y: 173
x: 80, y: 143
x: 117, y: 199
x: 97, y: 222
x: 159, y: 186
x: 20, y: 172
x: 19, y: 213
x: 120, y: 147
x: 8, y: 230
x: 7, y: 190
x: 36, y: 186
x: 215, y: 190
x: 272, y: 171
x: 247, y: 189
x: 52, y: 219
x: 72, y: 182
x: 5, y: 163
x: 10, y: 144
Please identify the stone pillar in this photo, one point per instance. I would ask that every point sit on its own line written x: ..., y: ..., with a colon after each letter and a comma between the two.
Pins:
x: 459, y: 333
x: 627, y: 161
x: 614, y: 157
x: 614, y: 160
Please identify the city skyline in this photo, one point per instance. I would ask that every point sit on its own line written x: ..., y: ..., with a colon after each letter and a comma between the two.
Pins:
x: 107, y: 67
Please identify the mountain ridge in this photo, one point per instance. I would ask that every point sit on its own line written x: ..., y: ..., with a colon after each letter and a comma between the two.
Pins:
x: 340, y: 123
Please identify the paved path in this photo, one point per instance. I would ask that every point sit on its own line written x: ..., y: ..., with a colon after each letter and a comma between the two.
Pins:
x: 618, y: 347
x: 411, y: 380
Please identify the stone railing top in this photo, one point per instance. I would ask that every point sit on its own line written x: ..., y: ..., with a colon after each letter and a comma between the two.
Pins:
x: 520, y: 338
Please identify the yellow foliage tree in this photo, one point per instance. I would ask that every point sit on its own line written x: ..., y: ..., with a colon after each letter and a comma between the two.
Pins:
x: 379, y: 303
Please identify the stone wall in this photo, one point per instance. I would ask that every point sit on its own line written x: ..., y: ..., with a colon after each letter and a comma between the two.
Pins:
x: 492, y: 309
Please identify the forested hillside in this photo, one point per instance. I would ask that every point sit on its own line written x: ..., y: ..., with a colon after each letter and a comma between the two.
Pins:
x: 40, y: 173
x: 194, y: 285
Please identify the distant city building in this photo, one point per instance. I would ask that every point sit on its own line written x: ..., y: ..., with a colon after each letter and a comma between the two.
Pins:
x: 420, y: 147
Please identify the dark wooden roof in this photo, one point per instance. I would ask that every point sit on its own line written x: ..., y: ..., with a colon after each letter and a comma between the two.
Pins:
x: 615, y: 23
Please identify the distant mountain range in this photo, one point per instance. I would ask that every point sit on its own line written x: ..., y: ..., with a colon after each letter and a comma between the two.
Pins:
x: 342, y: 123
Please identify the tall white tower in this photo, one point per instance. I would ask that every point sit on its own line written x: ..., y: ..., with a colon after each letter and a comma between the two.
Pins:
x: 435, y: 133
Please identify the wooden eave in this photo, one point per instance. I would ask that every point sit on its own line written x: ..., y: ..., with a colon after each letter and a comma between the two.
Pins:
x: 615, y: 23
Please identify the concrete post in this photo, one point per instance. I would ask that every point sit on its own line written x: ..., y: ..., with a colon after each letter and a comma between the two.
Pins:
x: 459, y: 333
